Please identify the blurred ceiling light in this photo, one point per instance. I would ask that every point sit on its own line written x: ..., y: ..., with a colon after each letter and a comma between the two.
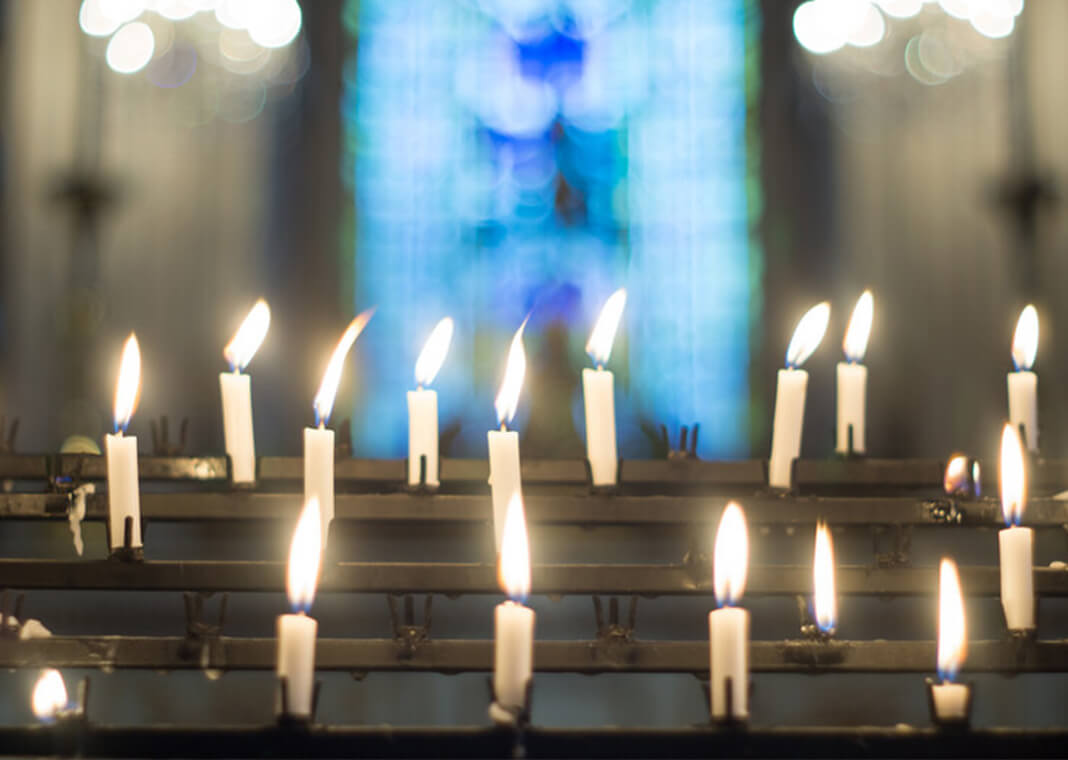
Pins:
x: 901, y: 8
x: 816, y: 29
x: 235, y: 14
x: 175, y: 10
x: 131, y: 48
x: 870, y: 30
x: 990, y: 24
x: 94, y: 21
x: 955, y: 8
x: 276, y: 23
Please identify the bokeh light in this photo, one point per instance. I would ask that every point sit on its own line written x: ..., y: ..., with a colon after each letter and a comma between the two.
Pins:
x: 130, y: 48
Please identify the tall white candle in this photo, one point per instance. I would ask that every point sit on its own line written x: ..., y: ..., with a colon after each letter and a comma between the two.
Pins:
x: 513, y: 623
x: 297, y: 631
x: 503, y: 444
x: 853, y: 378
x: 236, y: 390
x: 319, y: 440
x: 124, y: 499
x: 790, y: 395
x: 1023, y: 383
x: 598, y: 393
x: 1015, y: 544
x: 423, y: 406
x: 950, y: 699
x: 728, y: 626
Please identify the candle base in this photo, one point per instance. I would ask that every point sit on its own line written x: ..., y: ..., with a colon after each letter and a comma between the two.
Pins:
x: 287, y: 720
x: 421, y: 486
x: 607, y: 489
x: 126, y: 552
x: 729, y: 719
x: 947, y: 710
x: 509, y: 715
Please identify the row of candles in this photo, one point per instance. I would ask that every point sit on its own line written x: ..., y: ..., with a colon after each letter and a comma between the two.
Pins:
x: 503, y: 444
x: 513, y: 664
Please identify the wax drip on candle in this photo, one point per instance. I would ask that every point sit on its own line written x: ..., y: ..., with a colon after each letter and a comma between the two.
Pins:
x: 730, y: 561
x: 305, y: 558
x: 513, y: 562
x: 434, y: 352
x: 128, y: 387
x: 507, y: 400
x: 1025, y: 339
x: 324, y: 399
x: 248, y: 338
x: 952, y: 639
x: 1013, y: 483
x: 824, y: 598
x: 855, y: 343
x: 807, y: 335
x: 599, y: 346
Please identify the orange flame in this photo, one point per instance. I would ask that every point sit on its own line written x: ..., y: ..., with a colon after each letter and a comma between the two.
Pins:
x: 513, y: 569
x: 730, y: 560
x: 508, y: 396
x: 1025, y: 339
x: 952, y: 638
x: 434, y: 351
x: 808, y: 334
x: 128, y: 388
x: 324, y: 399
x: 856, y: 337
x: 826, y: 602
x: 1013, y: 477
x: 599, y: 346
x: 249, y: 336
x: 305, y: 558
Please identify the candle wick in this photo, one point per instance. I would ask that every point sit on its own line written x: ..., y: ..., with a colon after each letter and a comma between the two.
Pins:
x: 600, y: 367
x: 419, y: 386
x: 504, y: 427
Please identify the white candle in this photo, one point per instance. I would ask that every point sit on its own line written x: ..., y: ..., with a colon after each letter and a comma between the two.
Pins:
x: 728, y: 626
x: 423, y: 406
x: 950, y: 699
x: 124, y: 499
x: 790, y: 396
x: 513, y: 624
x: 853, y: 378
x: 598, y: 394
x: 236, y: 391
x: 297, y: 631
x: 503, y: 444
x: 1023, y: 383
x: 1015, y: 544
x: 319, y: 440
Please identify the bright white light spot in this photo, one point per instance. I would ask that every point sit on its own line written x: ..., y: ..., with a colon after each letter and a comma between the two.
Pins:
x: 122, y: 11
x: 901, y: 8
x: 131, y: 48
x: 818, y: 28
x: 869, y: 30
x: 989, y: 24
x: 275, y: 23
x: 175, y: 10
x: 94, y: 21
x: 956, y: 8
x: 236, y: 14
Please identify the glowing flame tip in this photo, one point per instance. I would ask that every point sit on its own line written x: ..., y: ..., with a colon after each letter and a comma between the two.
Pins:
x: 952, y: 638
x: 507, y: 400
x: 434, y: 351
x: 249, y: 336
x: 1012, y: 475
x: 128, y: 387
x: 825, y: 599
x: 514, y: 560
x: 808, y: 334
x: 730, y: 559
x: 856, y: 337
x: 599, y: 346
x: 324, y: 399
x: 49, y: 695
x: 305, y: 558
x: 1025, y: 339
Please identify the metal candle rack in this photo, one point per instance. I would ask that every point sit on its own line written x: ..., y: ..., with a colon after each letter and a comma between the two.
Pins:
x: 680, y: 490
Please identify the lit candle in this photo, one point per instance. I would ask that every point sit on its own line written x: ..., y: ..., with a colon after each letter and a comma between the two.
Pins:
x: 297, y: 631
x: 950, y: 699
x: 1015, y: 544
x: 1023, y: 383
x: 728, y: 626
x: 49, y: 696
x: 236, y: 389
x: 319, y: 440
x: 825, y: 600
x: 853, y: 378
x: 124, y: 499
x: 598, y: 393
x: 423, y: 406
x: 790, y: 395
x: 504, y: 477
x: 962, y: 480
x: 513, y: 623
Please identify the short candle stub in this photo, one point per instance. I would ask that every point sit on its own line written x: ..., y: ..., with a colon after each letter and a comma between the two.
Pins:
x: 126, y: 552
x: 288, y: 720
x: 950, y: 711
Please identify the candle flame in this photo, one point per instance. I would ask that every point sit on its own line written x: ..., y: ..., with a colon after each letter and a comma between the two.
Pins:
x: 826, y: 603
x: 1025, y: 339
x: 599, y: 346
x: 249, y: 336
x: 324, y: 399
x: 49, y: 695
x: 128, y: 388
x: 952, y: 638
x: 1013, y: 477
x: 856, y: 337
x: 305, y: 558
x: 956, y: 481
x: 513, y: 569
x: 730, y: 560
x: 434, y: 351
x: 508, y: 396
x: 808, y: 334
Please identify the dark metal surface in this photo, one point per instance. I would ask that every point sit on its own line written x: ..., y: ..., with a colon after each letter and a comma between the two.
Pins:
x: 472, y: 655
x: 474, y: 578
x: 475, y: 741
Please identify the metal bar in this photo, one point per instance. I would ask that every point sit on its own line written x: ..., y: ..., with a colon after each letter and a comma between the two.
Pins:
x: 471, y: 655
x: 566, y: 508
x: 473, y: 578
x: 476, y: 741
